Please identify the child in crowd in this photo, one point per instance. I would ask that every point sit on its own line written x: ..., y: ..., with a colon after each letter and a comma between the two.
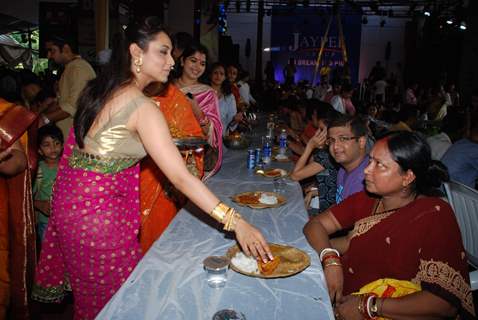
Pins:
x: 50, y: 148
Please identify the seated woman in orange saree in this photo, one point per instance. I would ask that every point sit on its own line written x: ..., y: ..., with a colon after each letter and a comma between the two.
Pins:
x: 160, y: 201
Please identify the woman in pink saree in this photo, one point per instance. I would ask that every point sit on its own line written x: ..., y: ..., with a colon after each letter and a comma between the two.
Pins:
x: 205, y: 103
x: 91, y: 243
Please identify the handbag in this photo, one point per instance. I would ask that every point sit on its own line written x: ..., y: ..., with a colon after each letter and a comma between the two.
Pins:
x: 14, y: 122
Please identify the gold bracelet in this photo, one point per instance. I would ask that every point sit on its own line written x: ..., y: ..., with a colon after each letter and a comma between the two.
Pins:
x: 332, y: 263
x: 232, y: 221
x: 219, y: 212
x: 225, y: 215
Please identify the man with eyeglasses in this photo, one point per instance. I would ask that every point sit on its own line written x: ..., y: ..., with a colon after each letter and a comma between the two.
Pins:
x: 73, y: 79
x: 347, y: 141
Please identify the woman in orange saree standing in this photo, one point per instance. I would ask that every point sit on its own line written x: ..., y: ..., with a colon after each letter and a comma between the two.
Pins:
x: 160, y: 201
x: 17, y: 228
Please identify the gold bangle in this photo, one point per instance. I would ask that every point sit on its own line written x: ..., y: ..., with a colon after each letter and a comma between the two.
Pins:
x: 332, y: 263
x: 219, y: 212
x: 225, y: 215
x: 230, y: 225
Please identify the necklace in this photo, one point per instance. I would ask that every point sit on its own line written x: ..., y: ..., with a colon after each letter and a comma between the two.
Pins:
x: 390, y: 210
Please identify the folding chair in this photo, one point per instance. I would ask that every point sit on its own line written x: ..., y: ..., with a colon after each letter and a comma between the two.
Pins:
x: 464, y: 201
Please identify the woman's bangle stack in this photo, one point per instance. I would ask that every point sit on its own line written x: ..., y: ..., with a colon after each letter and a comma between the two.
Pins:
x: 369, y: 306
x: 225, y: 215
x: 330, y: 257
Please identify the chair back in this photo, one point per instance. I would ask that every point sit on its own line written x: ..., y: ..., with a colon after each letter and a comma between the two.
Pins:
x: 464, y: 201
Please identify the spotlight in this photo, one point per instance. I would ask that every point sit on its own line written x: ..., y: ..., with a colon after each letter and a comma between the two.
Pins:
x: 449, y: 21
x: 364, y: 20
x: 382, y: 23
x: 463, y: 25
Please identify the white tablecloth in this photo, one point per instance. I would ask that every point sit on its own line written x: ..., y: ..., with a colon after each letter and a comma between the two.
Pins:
x: 169, y: 282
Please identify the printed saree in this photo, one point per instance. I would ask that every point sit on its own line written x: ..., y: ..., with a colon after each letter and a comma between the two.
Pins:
x: 160, y: 201
x: 91, y: 244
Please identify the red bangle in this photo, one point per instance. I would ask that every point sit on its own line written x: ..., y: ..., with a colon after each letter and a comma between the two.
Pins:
x: 329, y: 257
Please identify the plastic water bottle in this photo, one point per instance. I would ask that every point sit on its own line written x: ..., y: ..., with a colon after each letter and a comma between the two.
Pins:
x: 283, y: 142
x: 266, y: 150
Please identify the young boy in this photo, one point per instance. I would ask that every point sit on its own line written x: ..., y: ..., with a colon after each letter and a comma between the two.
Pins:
x: 50, y: 148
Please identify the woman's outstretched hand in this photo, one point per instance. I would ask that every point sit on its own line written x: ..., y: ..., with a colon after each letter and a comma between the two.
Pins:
x: 251, y: 240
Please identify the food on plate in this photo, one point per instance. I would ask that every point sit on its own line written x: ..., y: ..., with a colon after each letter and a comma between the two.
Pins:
x: 267, y: 268
x: 282, y: 157
x: 245, y: 263
x: 268, y: 199
x: 275, y: 173
x: 248, y: 199
x: 251, y: 265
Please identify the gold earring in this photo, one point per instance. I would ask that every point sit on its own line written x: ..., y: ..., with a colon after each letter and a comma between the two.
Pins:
x: 138, y: 63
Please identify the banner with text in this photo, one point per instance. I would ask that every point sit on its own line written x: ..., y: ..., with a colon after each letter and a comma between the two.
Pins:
x: 297, y: 33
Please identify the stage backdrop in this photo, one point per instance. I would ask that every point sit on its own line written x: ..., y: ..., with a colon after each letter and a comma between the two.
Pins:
x: 297, y: 33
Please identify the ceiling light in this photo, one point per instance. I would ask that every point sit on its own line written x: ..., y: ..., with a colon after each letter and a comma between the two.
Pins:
x: 463, y: 25
x: 449, y: 21
x: 426, y: 11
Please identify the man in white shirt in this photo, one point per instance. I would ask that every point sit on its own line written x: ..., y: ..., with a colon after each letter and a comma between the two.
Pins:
x: 322, y: 90
x: 245, y: 90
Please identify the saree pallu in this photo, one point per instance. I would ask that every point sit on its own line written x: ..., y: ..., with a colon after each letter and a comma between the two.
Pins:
x: 91, y: 243
x: 209, y: 105
x: 160, y: 201
x: 17, y: 238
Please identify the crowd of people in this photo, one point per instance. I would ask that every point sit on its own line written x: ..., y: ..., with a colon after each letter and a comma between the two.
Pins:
x: 106, y: 166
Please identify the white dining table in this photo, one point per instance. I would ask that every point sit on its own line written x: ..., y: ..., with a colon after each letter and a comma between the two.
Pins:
x: 170, y: 282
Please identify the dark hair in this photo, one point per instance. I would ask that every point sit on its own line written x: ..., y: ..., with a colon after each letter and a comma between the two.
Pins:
x: 191, y: 50
x: 61, y: 40
x: 346, y: 87
x: 226, y: 87
x: 182, y: 40
x: 357, y: 125
x: 49, y: 130
x: 116, y: 74
x: 412, y: 152
x: 43, y: 94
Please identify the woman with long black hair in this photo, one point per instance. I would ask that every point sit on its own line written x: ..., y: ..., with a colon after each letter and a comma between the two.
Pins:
x: 91, y: 243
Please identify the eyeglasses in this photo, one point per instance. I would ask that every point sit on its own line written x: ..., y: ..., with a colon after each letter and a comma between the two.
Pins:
x: 341, y: 139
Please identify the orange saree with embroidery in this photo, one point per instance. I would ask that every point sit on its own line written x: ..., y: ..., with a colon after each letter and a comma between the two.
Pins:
x: 160, y: 201
x: 17, y: 238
